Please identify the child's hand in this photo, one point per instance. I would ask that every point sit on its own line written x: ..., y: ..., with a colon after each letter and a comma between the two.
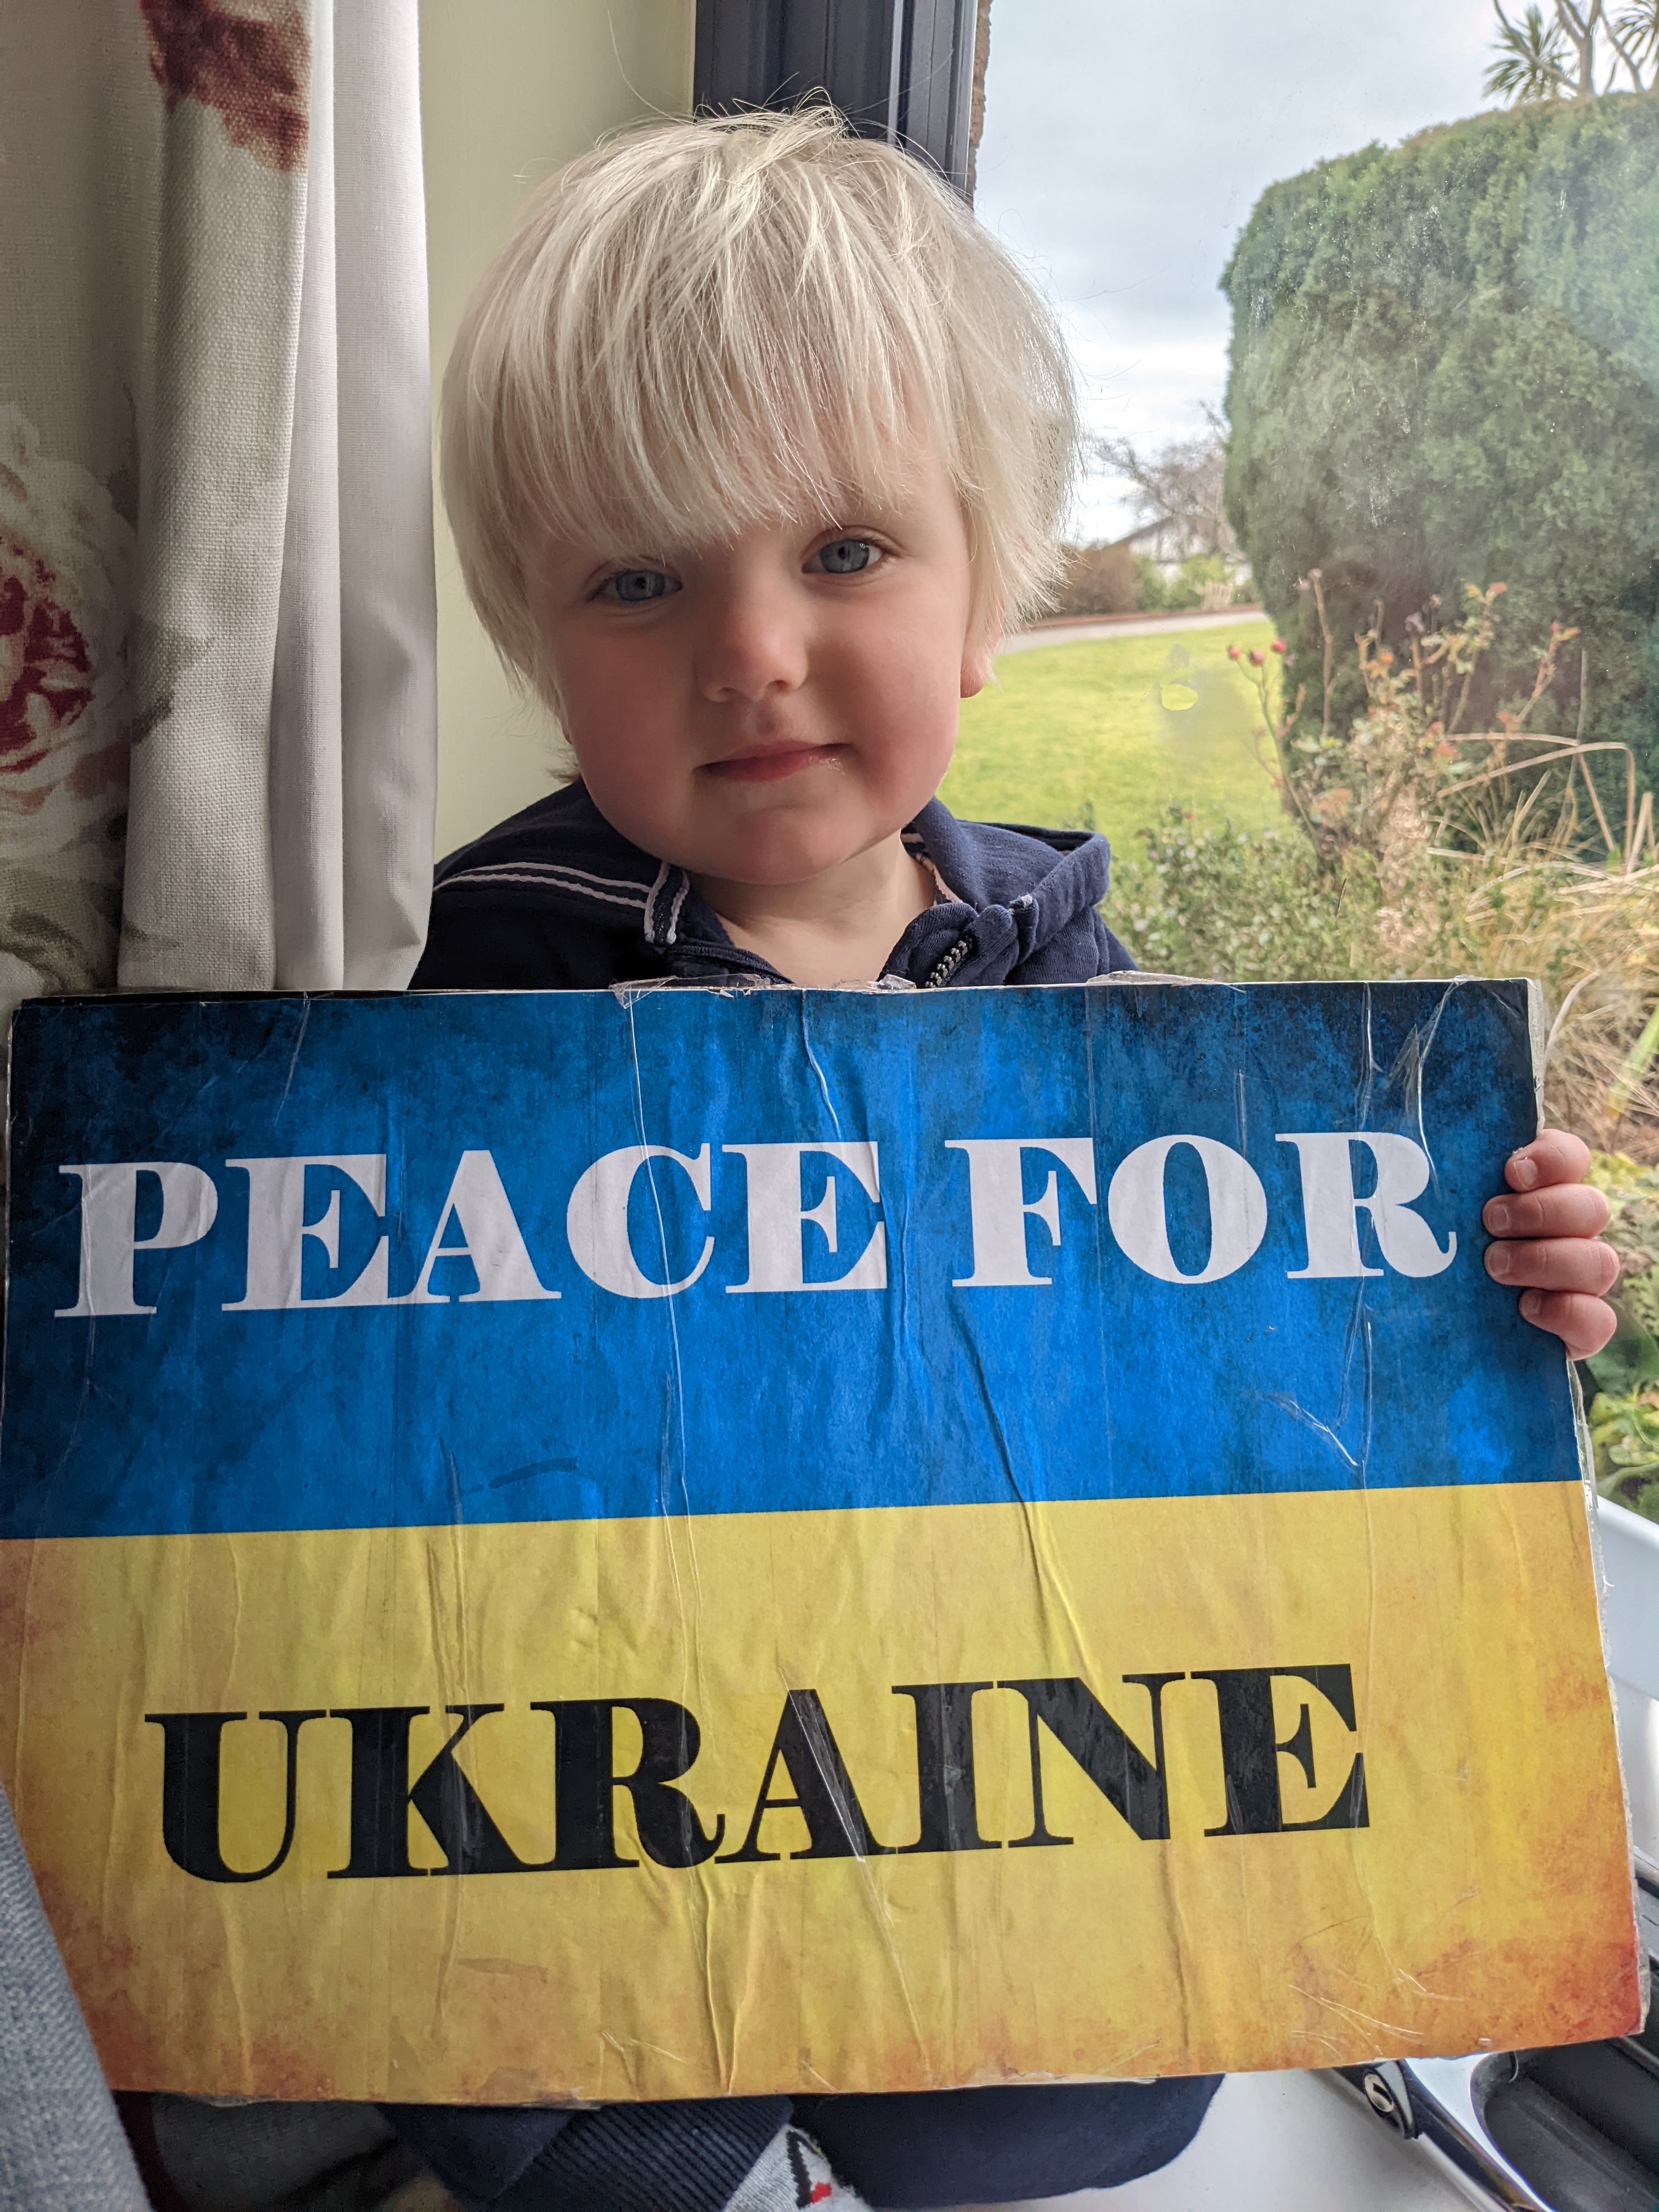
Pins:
x: 1557, y: 1261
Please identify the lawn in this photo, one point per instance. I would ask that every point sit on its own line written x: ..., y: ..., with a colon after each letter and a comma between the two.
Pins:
x: 1111, y: 732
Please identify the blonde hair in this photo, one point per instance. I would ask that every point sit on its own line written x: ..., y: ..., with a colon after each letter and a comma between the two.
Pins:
x: 704, y: 326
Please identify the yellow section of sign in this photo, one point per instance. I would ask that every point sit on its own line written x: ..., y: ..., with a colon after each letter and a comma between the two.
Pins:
x: 1485, y: 1900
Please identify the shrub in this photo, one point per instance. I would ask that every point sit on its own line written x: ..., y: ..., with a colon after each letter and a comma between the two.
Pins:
x: 1445, y: 359
x: 1245, y: 910
x: 1097, y: 579
x: 1151, y: 586
x: 1203, y: 580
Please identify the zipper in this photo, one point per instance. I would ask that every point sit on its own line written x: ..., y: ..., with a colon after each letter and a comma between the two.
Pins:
x: 948, y: 966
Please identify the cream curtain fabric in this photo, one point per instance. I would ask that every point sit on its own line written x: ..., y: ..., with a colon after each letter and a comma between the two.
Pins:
x: 217, y: 702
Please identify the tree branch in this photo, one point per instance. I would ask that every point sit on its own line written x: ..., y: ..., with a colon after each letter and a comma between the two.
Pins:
x: 1580, y: 26
x: 1623, y: 52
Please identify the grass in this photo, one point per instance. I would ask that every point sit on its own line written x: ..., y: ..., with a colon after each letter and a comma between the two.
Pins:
x: 1112, y: 732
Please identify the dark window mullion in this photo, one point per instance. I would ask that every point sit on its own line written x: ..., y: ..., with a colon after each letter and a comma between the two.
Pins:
x: 937, y: 82
x: 899, y: 69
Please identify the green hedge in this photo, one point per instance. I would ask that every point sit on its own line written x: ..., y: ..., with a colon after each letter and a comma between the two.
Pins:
x: 1445, y: 369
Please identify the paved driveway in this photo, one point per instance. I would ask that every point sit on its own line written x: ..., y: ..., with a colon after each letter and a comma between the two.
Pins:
x: 1073, y: 633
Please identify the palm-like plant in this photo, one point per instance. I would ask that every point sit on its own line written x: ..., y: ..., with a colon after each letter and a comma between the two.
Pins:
x: 1531, y: 63
x: 1636, y: 34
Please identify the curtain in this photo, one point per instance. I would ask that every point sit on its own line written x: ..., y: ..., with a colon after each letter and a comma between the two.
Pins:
x: 218, y: 696
x: 217, y: 702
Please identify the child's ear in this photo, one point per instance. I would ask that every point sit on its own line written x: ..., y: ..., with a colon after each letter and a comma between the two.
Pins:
x: 979, y: 653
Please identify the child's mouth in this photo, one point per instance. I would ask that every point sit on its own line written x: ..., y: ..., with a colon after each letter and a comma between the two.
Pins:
x: 772, y: 764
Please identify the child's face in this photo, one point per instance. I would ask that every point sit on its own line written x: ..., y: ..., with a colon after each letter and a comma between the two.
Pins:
x: 763, y: 711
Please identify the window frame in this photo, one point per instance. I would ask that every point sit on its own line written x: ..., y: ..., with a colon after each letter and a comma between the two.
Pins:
x: 902, y: 71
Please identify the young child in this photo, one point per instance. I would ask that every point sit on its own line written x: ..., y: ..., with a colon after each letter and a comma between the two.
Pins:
x: 754, y: 441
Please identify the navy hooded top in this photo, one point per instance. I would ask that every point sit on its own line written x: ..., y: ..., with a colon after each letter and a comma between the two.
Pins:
x: 556, y: 900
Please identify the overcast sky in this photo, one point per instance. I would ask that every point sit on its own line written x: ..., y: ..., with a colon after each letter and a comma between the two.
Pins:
x: 1126, y: 141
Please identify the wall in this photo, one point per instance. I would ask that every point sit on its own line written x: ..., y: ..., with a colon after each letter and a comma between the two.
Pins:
x: 509, y: 89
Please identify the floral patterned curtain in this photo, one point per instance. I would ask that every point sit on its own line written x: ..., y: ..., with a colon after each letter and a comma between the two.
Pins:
x: 217, y: 687
x: 217, y: 702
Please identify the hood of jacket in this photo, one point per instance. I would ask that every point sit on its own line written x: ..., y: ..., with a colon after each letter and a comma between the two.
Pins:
x: 1014, y: 905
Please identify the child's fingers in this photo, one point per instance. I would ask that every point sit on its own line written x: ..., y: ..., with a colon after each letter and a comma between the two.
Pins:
x: 1548, y: 1234
x: 1553, y: 1156
x: 1555, y: 1263
x: 1567, y: 1209
x: 1583, y: 1324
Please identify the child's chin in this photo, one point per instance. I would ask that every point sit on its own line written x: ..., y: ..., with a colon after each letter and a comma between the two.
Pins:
x: 788, y: 845
x: 773, y: 863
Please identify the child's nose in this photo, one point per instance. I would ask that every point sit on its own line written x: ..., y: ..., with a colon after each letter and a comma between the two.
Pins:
x: 752, y: 643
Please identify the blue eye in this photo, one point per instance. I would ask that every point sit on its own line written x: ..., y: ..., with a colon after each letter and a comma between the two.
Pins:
x: 846, y: 557
x: 636, y: 587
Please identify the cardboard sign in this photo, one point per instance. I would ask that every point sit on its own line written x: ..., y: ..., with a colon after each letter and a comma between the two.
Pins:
x: 645, y: 1546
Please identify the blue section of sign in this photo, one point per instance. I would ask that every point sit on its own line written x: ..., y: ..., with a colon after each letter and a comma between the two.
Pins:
x: 1102, y: 1381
